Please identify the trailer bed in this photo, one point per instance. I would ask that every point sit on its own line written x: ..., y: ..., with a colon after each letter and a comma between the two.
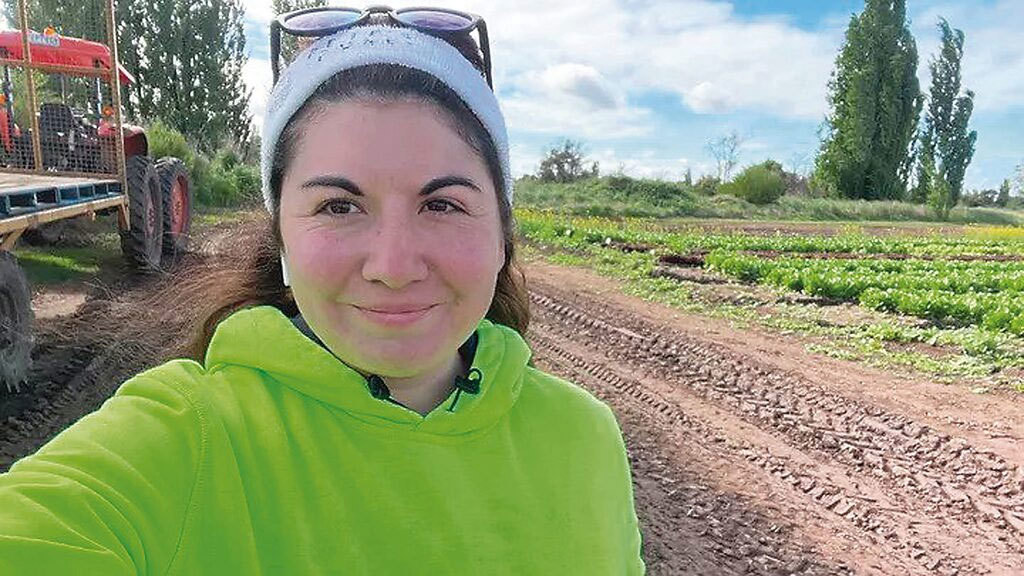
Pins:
x: 23, y: 194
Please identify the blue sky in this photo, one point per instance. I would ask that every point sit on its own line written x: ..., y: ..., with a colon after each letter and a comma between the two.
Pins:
x: 647, y: 84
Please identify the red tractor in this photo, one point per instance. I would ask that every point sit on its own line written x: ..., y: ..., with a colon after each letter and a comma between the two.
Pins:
x: 78, y: 174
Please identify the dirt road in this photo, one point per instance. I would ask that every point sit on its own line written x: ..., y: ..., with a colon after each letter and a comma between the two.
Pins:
x: 749, y: 455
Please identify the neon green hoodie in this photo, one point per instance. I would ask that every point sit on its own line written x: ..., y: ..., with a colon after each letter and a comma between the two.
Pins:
x: 274, y: 458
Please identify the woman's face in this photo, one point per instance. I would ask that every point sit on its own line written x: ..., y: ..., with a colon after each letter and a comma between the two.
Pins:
x: 392, y: 235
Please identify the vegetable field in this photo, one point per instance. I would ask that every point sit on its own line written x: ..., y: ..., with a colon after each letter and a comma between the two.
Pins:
x: 964, y: 288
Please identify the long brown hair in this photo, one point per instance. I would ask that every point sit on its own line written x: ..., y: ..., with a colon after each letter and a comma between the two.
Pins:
x: 251, y: 276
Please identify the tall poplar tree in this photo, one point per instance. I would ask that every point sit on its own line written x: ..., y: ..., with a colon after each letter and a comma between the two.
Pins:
x: 946, y: 143
x: 875, y: 100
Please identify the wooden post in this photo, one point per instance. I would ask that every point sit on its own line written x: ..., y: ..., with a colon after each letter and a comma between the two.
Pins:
x: 115, y: 96
x: 37, y: 152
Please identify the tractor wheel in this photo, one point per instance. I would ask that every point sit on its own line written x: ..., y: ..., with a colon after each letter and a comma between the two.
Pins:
x: 176, y: 193
x: 142, y: 243
x: 15, y: 324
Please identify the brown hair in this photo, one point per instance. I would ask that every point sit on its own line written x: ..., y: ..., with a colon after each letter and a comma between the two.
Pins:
x: 253, y: 276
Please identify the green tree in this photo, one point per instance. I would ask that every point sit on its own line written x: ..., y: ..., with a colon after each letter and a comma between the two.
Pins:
x: 566, y: 163
x: 945, y: 136
x: 282, y: 6
x: 1004, y: 194
x: 940, y: 194
x: 875, y: 100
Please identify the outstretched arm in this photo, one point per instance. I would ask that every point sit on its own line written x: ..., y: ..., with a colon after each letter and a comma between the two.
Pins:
x: 110, y: 494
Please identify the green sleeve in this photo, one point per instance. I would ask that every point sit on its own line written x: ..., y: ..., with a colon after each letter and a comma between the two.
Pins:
x: 626, y: 511
x: 109, y: 495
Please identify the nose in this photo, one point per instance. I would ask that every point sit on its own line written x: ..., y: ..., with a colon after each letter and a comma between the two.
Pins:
x: 394, y: 255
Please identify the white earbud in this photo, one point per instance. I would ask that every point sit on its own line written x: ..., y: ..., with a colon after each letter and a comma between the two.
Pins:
x: 284, y: 271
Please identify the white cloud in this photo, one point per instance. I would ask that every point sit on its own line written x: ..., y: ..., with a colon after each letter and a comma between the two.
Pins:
x: 708, y: 98
x: 645, y: 163
x: 260, y: 11
x: 258, y: 77
x: 583, y: 82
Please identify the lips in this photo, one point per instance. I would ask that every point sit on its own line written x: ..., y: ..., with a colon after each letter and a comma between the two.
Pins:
x: 396, y: 309
x: 395, y: 314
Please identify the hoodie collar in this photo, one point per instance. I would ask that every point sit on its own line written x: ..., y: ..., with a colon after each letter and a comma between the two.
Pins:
x: 263, y: 338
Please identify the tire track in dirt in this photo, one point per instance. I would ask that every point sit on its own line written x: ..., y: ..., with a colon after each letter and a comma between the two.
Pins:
x: 932, y: 502
x: 688, y: 526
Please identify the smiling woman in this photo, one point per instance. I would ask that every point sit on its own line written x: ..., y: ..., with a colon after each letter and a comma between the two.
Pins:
x: 359, y: 396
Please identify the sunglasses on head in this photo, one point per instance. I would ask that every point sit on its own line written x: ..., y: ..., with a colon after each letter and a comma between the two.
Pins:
x: 316, y: 22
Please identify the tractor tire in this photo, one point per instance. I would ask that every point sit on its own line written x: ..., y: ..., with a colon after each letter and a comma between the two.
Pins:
x: 142, y: 243
x: 16, y: 321
x: 176, y: 195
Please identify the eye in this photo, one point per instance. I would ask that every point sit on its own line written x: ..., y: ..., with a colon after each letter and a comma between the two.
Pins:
x: 338, y: 207
x: 442, y: 206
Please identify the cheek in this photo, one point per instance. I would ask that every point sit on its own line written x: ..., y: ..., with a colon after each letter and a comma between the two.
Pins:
x: 471, y: 265
x: 318, y: 258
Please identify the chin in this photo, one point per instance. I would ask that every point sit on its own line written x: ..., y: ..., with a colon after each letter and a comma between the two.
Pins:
x: 400, y: 363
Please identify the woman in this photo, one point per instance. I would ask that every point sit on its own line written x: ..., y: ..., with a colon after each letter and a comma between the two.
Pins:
x: 365, y: 403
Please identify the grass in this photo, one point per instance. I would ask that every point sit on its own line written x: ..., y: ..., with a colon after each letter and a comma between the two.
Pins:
x: 52, y: 266
x: 613, y: 196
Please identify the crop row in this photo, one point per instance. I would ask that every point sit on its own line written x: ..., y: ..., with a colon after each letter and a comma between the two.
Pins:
x: 541, y: 225
x: 983, y: 296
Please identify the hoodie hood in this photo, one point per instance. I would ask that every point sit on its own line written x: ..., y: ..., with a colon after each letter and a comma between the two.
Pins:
x: 263, y: 338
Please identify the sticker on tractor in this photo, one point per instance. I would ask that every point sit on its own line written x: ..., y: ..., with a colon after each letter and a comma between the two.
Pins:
x: 51, y: 40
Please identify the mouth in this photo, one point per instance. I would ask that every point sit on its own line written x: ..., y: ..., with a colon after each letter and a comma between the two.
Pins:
x: 394, y: 315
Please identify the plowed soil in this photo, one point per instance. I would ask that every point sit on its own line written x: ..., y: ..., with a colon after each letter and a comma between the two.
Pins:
x: 752, y: 457
x: 749, y: 455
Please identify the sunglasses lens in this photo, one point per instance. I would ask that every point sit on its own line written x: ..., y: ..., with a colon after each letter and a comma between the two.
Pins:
x: 434, y: 20
x: 320, y: 20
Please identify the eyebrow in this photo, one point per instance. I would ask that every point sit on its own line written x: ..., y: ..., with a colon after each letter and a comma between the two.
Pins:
x: 334, y: 181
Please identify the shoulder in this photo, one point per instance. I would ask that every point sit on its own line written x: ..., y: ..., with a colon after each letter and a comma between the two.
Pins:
x: 179, y: 377
x: 566, y: 402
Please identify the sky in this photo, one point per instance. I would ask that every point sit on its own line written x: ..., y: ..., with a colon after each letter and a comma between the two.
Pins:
x: 645, y: 85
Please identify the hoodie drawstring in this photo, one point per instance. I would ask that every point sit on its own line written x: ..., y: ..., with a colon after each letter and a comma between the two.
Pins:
x: 467, y: 384
x: 470, y: 384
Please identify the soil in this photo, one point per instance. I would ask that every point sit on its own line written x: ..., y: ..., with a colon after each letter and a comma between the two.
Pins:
x: 749, y: 454
x: 827, y: 465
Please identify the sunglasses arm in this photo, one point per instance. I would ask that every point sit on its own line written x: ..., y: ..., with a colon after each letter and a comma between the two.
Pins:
x: 275, y: 47
x: 485, y: 46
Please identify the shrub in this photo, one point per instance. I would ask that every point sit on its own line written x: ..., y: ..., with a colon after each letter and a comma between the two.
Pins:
x: 707, y: 185
x: 249, y: 183
x: 226, y: 182
x: 166, y: 141
x: 757, y: 184
x: 657, y: 192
